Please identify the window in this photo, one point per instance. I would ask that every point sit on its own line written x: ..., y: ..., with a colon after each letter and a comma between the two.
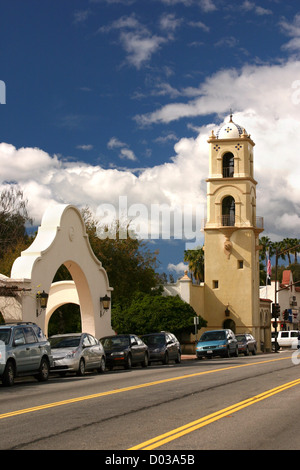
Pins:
x: 29, y: 335
x: 240, y: 264
x: 19, y: 336
x: 86, y: 343
x: 228, y: 211
x: 215, y: 284
x: 93, y: 340
x: 228, y: 165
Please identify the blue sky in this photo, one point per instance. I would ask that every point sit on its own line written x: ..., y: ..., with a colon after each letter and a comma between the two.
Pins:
x: 110, y: 98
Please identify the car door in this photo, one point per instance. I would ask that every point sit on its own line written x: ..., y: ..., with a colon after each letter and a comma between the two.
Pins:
x: 95, y: 350
x: 136, y: 349
x: 171, y: 347
x: 33, y: 348
x: 86, y: 351
x: 20, y: 350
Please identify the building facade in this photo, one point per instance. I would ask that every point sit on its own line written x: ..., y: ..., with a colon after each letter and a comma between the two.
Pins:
x: 229, y: 297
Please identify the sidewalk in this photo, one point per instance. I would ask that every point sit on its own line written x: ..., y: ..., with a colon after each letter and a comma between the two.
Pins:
x: 188, y: 356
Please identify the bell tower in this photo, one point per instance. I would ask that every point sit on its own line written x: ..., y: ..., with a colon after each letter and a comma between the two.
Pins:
x: 231, y: 233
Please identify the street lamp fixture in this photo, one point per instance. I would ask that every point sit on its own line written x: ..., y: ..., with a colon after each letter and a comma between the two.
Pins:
x: 42, y: 300
x: 105, y: 302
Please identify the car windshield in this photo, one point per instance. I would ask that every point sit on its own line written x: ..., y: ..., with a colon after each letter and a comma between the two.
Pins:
x: 115, y: 342
x: 5, y: 335
x: 213, y: 336
x: 64, y: 341
x: 154, y: 340
x: 241, y: 337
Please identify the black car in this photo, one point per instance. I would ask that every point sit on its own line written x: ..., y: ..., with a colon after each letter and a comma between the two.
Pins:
x: 246, y: 343
x: 163, y: 346
x: 125, y: 350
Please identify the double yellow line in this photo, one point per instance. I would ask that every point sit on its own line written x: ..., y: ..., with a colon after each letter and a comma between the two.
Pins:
x: 199, y: 423
x: 126, y: 389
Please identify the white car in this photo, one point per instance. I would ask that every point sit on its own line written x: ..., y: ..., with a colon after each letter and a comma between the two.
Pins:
x: 287, y: 339
x: 76, y: 352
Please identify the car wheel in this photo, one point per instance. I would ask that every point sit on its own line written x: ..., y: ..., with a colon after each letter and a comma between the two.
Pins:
x: 166, y: 358
x: 81, y: 369
x: 128, y: 364
x: 178, y: 359
x: 44, y: 370
x: 102, y: 366
x: 8, y: 378
x: 145, y: 362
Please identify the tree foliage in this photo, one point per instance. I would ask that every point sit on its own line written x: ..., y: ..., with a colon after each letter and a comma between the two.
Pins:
x: 13, y: 220
x: 148, y: 313
x: 13, y: 216
x: 195, y: 258
x: 287, y: 250
x: 129, y: 263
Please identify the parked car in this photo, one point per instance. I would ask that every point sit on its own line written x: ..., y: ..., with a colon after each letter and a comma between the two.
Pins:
x: 76, y: 352
x: 286, y: 339
x: 246, y: 343
x: 125, y: 350
x: 163, y: 347
x: 217, y: 343
x: 24, y: 351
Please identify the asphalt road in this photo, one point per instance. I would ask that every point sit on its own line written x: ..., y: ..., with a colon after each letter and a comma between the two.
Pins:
x: 224, y: 404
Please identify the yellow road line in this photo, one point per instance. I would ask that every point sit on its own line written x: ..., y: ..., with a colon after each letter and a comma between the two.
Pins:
x: 199, y: 423
x: 126, y: 389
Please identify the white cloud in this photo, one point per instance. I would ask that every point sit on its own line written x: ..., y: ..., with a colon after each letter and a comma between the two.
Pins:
x: 248, y: 6
x: 178, y: 268
x: 125, y: 152
x: 85, y: 147
x: 265, y: 104
x: 136, y: 39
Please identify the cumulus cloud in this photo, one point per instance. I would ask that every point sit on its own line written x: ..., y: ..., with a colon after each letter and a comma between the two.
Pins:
x: 136, y: 39
x: 178, y: 268
x: 266, y: 100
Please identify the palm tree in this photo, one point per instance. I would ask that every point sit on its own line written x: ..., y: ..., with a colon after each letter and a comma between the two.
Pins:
x: 287, y: 244
x: 295, y: 248
x: 266, y: 245
x: 195, y: 258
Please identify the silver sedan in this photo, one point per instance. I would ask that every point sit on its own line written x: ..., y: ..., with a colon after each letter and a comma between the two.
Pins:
x: 76, y: 352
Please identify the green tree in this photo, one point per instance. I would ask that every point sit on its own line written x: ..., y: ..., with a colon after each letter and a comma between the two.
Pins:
x: 148, y: 313
x: 13, y: 220
x: 129, y: 263
x: 13, y: 217
x: 195, y: 258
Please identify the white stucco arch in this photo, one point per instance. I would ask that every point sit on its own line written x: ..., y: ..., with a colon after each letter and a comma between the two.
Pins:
x: 62, y: 239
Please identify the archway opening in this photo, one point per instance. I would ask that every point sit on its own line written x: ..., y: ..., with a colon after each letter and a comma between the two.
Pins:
x: 229, y: 324
x: 228, y: 211
x: 228, y: 165
x: 65, y: 319
x: 67, y: 316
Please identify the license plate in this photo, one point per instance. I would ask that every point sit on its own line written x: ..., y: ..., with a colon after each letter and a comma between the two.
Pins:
x: 209, y: 351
